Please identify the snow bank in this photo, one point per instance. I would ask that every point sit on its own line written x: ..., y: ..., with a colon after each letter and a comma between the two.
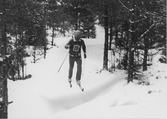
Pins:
x: 125, y: 101
x: 48, y: 95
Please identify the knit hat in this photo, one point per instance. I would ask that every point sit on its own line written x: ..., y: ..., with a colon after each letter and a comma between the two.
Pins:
x: 77, y: 34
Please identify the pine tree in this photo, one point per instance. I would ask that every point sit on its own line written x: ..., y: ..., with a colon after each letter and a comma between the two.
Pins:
x: 87, y: 24
x: 80, y: 16
x: 3, y: 80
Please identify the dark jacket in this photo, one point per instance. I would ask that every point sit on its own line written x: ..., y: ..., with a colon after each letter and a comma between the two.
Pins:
x: 75, y: 47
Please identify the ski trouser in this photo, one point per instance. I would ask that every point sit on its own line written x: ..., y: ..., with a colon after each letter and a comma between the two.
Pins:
x: 72, y: 60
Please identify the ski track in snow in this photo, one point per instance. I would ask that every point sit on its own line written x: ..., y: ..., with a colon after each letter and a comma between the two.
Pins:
x: 51, y: 89
x: 76, y: 97
x: 65, y: 102
x: 48, y: 94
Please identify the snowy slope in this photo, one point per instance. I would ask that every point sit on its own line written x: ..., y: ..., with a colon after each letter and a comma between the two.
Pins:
x: 128, y: 100
x: 49, y: 89
x: 48, y: 95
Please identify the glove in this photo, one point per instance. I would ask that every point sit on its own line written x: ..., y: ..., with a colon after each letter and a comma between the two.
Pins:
x: 66, y: 46
x: 85, y: 55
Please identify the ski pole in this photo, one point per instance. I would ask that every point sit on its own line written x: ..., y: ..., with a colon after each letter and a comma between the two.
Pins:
x: 63, y: 62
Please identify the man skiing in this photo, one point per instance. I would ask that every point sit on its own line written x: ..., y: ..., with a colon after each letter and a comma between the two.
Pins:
x: 74, y: 46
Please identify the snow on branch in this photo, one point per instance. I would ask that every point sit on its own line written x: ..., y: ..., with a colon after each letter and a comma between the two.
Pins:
x: 146, y: 31
x: 132, y: 22
x: 141, y: 20
x: 125, y: 6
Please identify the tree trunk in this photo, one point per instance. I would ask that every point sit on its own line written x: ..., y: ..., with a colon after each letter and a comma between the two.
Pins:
x: 105, y: 58
x: 22, y: 55
x: 34, y: 54
x: 131, y: 50
x: 45, y: 48
x: 4, y: 109
x: 146, y: 48
x: 4, y: 102
x: 110, y: 35
x: 45, y: 35
x: 116, y: 37
x: 53, y: 30
x: 145, y: 54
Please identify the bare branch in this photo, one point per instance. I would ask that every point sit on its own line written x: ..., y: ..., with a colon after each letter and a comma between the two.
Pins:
x: 140, y: 20
x: 124, y: 6
x: 147, y: 31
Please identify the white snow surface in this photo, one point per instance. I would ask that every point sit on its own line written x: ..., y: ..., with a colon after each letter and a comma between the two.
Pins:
x: 107, y: 95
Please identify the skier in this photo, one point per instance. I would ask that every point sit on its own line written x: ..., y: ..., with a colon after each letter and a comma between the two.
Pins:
x: 74, y: 46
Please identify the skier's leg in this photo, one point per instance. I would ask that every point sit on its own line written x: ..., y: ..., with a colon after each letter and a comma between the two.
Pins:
x: 71, y: 65
x: 79, y: 69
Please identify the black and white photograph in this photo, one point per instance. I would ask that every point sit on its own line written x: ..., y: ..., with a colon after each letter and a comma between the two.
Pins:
x: 83, y: 59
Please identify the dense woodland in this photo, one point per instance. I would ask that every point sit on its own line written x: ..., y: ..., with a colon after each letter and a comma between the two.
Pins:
x: 137, y: 26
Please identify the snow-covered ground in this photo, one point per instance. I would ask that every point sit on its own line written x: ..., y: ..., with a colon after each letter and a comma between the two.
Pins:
x: 107, y: 95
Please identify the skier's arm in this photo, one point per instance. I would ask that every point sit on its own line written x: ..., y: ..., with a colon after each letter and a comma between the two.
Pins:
x: 84, y: 48
x: 68, y: 45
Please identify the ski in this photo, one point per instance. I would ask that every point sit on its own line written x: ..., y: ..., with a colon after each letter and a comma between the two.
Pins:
x: 70, y: 84
x: 82, y: 89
